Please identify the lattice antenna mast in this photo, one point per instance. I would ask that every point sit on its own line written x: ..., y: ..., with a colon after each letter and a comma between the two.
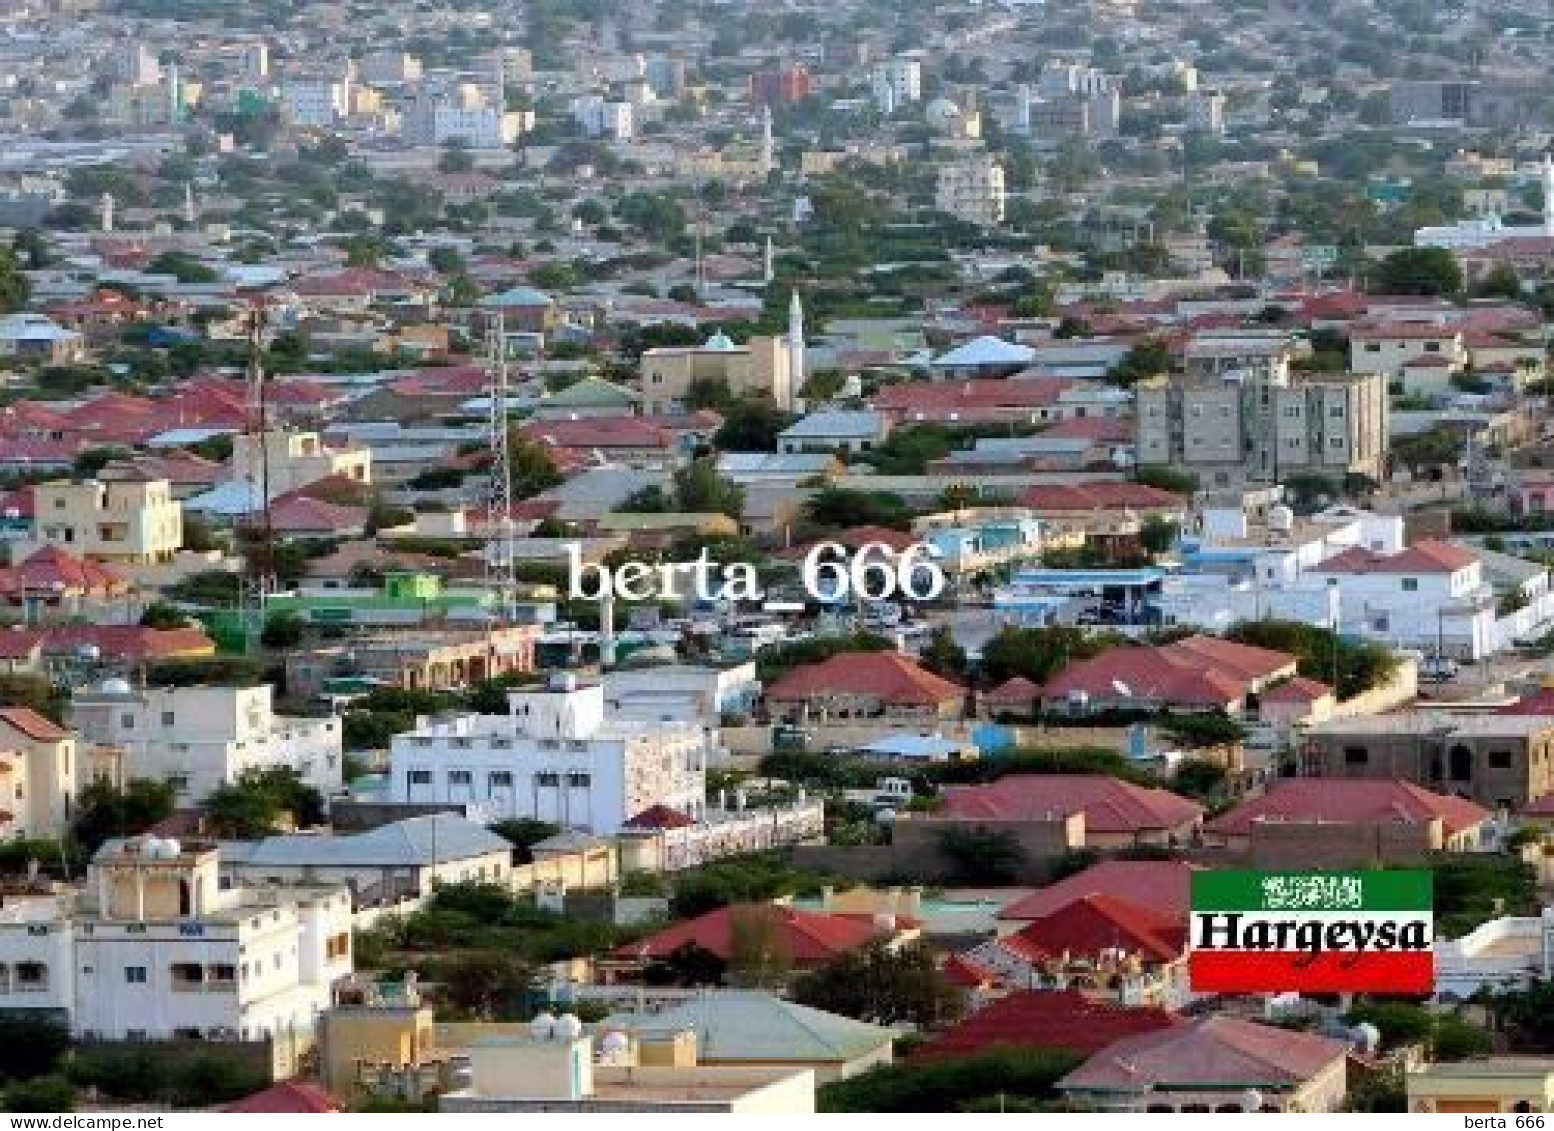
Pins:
x: 259, y: 575
x: 501, y: 552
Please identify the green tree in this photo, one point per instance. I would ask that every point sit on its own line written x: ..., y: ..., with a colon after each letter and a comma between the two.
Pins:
x: 34, y: 1044
x: 751, y: 426
x: 1014, y: 1076
x: 23, y: 689
x: 160, y: 614
x: 884, y: 987
x: 14, y: 287
x: 1527, y: 1014
x: 1037, y: 653
x: 103, y: 810
x: 1146, y: 359
x: 942, y: 655
x: 699, y: 489
x: 759, y: 951
x: 283, y: 631
x: 1172, y: 479
x: 687, y: 965
x: 1501, y: 281
x: 491, y: 985
x: 533, y: 469
x: 841, y: 508
x: 263, y: 801
x: 524, y: 833
x: 455, y: 158
x: 979, y: 856
x: 1361, y: 666
x: 1418, y: 271
x: 46, y: 1093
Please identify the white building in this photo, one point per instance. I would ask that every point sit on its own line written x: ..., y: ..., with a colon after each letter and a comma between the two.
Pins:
x: 683, y: 692
x: 555, y: 756
x: 601, y: 117
x: 155, y: 947
x: 438, y: 119
x: 972, y: 190
x: 1206, y: 112
x: 316, y: 103
x: 1482, y: 232
x: 896, y: 82
x: 202, y: 737
x: 1504, y: 953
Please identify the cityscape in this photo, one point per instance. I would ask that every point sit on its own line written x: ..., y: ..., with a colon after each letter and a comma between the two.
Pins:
x: 622, y: 556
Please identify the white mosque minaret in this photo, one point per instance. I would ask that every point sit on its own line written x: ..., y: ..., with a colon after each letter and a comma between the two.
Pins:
x: 795, y: 349
x: 1477, y: 234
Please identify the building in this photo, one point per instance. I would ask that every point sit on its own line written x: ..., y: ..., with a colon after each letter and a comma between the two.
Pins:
x: 1199, y: 673
x: 1432, y: 101
x: 1072, y: 1020
x: 1489, y: 1085
x: 431, y: 660
x: 391, y: 868
x: 1228, y: 431
x: 1337, y: 823
x: 156, y: 948
x: 1098, y: 944
x: 1162, y: 886
x: 37, y: 338
x: 1389, y: 347
x: 1500, y: 761
x: 745, y: 1028
x: 395, y: 67
x: 555, y: 756
x: 1114, y: 813
x: 559, y: 1071
x: 288, y: 461
x: 200, y: 738
x: 601, y: 117
x: 762, y: 367
x: 807, y: 939
x: 1215, y: 1063
x: 464, y: 115
x: 972, y: 190
x: 1512, y: 950
x: 315, y: 103
x: 895, y: 83
x: 120, y: 521
x: 39, y: 776
x: 787, y: 84
x: 1206, y: 111
x: 862, y: 686
x: 834, y: 430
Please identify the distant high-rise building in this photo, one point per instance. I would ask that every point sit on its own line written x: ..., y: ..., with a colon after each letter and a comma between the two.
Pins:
x: 600, y: 117
x: 136, y: 64
x: 254, y: 62
x: 1206, y: 112
x: 896, y: 82
x: 466, y: 115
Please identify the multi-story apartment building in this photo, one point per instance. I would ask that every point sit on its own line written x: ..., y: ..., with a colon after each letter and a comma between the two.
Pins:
x: 896, y: 83
x: 317, y: 103
x: 1206, y: 112
x: 788, y: 84
x: 131, y: 521
x: 200, y: 738
x: 390, y: 67
x: 1234, y: 428
x: 465, y: 115
x: 972, y: 190
x: 600, y: 117
x: 555, y: 756
x: 155, y: 947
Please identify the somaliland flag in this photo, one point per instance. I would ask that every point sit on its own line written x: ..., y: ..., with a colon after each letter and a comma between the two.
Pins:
x: 1312, y: 932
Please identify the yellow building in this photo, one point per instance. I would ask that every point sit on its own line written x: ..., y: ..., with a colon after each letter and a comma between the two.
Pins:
x: 128, y: 521
x: 295, y: 459
x: 1498, y: 1084
x: 762, y: 366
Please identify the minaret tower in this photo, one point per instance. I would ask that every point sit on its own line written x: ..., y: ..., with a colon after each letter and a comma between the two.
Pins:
x: 768, y: 271
x: 1548, y: 195
x: 768, y: 147
x: 795, y: 349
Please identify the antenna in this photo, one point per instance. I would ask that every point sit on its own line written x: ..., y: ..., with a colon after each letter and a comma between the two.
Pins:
x: 500, y: 551
x: 259, y: 576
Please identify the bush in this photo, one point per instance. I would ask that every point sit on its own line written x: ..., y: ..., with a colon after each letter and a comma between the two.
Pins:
x: 46, y: 1093
x: 33, y: 1046
x: 1017, y: 1074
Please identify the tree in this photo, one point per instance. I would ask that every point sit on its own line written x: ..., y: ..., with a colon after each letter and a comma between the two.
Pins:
x: 1037, y: 653
x: 533, y: 469
x: 261, y: 801
x: 699, y: 489
x: 33, y: 1045
x: 751, y: 426
x: 942, y: 655
x: 104, y: 810
x: 455, y: 158
x: 14, y: 287
x: 46, y: 1093
x: 759, y: 953
x: 1016, y: 1076
x: 1158, y: 534
x: 22, y: 689
x: 1527, y: 1014
x: 490, y: 984
x: 687, y: 965
x: 979, y: 856
x: 1146, y: 359
x: 524, y: 833
x: 1418, y: 271
x: 841, y: 507
x: 1501, y: 281
x: 1171, y: 479
x: 160, y: 614
x: 282, y: 631
x: 1361, y: 666
x: 884, y: 987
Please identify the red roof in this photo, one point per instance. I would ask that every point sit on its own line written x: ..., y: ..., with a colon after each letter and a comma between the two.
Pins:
x: 855, y: 538
x: 356, y: 281
x: 445, y: 381
x: 810, y: 938
x: 660, y: 817
x: 1207, y: 1052
x: 600, y: 432
x: 289, y: 1097
x: 1297, y: 690
x: 1428, y: 556
x: 1163, y: 886
x: 1540, y: 702
x: 305, y: 514
x: 887, y: 676
x: 1099, y: 496
x: 1106, y: 429
x: 968, y: 972
x: 1096, y: 923
x: 1048, y: 1019
x: 1349, y: 801
x: 969, y: 400
x: 116, y: 642
x: 1017, y: 691
x: 1200, y: 671
x: 1109, y: 804
x: 32, y: 724
x: 52, y: 566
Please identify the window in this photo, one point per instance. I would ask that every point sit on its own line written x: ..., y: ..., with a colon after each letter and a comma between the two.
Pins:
x: 459, y: 777
x: 1356, y: 756
x: 187, y: 975
x: 127, y: 721
x: 1500, y: 759
x: 419, y: 777
x: 135, y: 975
x: 167, y: 718
x: 1410, y: 584
x: 1432, y: 347
x: 579, y: 779
x: 547, y: 778
x: 501, y: 779
x: 1372, y: 347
